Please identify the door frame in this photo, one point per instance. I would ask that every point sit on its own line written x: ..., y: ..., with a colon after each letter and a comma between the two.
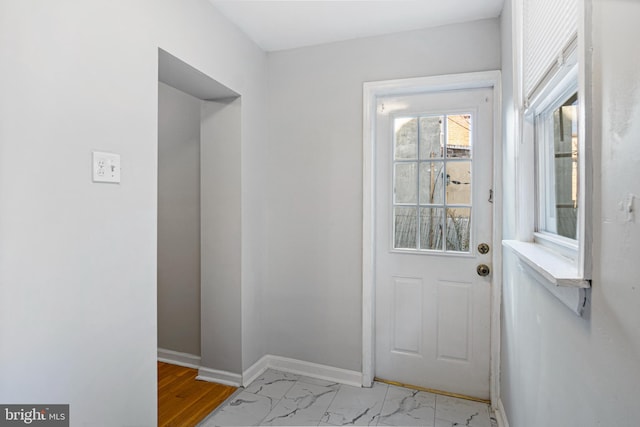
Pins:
x: 371, y: 92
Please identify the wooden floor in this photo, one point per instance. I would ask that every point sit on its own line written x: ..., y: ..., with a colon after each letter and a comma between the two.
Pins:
x: 182, y: 400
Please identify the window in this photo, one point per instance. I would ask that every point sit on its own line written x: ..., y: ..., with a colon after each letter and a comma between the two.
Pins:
x: 554, y: 154
x: 432, y: 183
x: 557, y: 168
x: 551, y: 127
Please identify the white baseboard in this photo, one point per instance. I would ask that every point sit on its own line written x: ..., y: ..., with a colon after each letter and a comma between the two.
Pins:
x: 177, y: 358
x: 255, y: 370
x: 501, y: 415
x: 299, y: 367
x: 221, y: 377
x: 293, y: 366
x: 192, y: 361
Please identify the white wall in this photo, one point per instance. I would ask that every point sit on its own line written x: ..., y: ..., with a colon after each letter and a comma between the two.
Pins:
x: 509, y: 193
x: 77, y: 259
x: 559, y: 369
x: 178, y: 220
x: 314, y: 299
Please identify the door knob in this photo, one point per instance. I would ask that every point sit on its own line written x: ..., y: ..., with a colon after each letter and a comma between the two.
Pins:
x: 483, y: 270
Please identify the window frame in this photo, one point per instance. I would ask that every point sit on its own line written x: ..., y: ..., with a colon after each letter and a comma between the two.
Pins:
x: 562, y: 88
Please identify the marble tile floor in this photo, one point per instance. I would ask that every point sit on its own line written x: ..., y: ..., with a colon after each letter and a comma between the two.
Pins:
x: 283, y: 399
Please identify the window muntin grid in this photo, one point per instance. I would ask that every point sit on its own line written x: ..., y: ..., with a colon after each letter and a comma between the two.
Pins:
x: 432, y: 185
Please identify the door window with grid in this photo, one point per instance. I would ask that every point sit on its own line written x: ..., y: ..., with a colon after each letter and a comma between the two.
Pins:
x: 432, y: 174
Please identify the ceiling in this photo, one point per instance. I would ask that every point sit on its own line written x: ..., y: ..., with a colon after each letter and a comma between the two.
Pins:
x: 277, y: 25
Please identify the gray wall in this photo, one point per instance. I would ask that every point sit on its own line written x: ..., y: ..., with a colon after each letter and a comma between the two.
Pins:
x: 78, y: 260
x: 178, y: 221
x: 559, y: 369
x: 314, y: 223
x: 221, y: 235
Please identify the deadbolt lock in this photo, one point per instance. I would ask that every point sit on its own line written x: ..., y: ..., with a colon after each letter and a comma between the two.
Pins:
x: 483, y: 248
x: 483, y: 270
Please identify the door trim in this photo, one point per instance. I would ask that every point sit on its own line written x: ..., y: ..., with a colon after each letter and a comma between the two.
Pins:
x: 371, y: 92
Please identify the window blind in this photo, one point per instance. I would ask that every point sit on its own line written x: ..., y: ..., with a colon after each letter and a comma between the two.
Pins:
x: 550, y: 29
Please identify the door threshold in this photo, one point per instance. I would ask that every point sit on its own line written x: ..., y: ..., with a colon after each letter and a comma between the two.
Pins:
x: 434, y: 391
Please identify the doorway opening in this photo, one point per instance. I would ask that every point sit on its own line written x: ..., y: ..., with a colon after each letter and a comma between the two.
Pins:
x: 199, y: 307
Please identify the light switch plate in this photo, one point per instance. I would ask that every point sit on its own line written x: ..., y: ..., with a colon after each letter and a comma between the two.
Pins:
x: 106, y: 167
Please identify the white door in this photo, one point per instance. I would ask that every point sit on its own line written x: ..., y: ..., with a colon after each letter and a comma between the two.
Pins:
x: 433, y: 191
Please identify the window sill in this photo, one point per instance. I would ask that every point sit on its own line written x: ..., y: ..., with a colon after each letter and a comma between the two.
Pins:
x: 556, y: 273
